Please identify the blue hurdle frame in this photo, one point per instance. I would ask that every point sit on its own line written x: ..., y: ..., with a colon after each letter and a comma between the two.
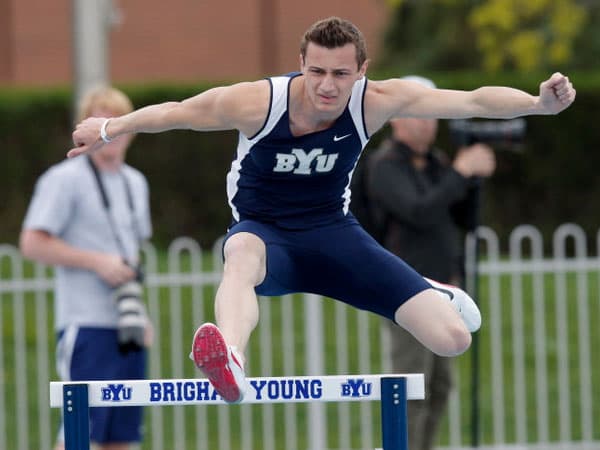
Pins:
x: 394, y: 422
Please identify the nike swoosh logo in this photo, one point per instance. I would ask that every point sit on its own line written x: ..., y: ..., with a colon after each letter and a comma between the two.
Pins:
x: 336, y: 138
x: 445, y: 291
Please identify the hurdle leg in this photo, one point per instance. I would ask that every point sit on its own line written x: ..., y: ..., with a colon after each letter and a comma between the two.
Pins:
x: 394, y: 419
x: 76, y: 417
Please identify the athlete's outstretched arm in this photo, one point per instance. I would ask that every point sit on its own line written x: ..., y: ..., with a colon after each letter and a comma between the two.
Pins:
x: 402, y: 98
x: 241, y: 106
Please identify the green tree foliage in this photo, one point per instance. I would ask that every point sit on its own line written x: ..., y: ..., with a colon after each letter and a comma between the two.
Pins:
x: 494, y: 35
x: 526, y: 34
x: 427, y: 34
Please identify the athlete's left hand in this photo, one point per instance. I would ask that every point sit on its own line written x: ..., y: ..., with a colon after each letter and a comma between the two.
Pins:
x: 556, y: 94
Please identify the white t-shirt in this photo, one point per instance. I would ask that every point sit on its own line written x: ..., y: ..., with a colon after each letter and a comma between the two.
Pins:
x: 67, y: 204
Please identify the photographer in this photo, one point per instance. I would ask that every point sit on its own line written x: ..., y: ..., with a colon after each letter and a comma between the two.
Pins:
x: 88, y: 218
x: 421, y: 201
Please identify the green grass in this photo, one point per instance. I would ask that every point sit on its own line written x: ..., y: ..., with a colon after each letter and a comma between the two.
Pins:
x: 200, y: 423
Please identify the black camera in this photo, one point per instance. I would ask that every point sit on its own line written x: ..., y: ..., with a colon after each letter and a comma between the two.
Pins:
x: 133, y: 319
x: 497, y: 133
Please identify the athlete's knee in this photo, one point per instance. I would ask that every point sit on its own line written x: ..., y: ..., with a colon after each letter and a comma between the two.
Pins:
x: 455, y: 340
x: 434, y: 322
x: 245, y: 255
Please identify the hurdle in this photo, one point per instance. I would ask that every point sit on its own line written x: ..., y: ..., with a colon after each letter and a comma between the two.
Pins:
x: 393, y: 391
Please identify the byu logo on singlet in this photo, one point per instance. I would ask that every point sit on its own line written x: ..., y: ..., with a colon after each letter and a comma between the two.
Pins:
x: 116, y: 393
x: 356, y: 388
x: 301, y: 163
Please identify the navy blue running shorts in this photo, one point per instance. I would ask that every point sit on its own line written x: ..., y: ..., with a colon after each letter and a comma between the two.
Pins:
x: 340, y: 260
x: 93, y: 354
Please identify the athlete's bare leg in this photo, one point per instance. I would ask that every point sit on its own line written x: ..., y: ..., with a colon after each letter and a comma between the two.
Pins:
x: 236, y: 305
x: 432, y: 320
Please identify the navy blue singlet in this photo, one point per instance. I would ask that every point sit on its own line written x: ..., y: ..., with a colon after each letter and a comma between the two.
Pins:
x: 297, y: 182
x: 294, y: 194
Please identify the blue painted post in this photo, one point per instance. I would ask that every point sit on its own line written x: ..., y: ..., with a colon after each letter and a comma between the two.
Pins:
x: 76, y: 417
x: 394, y: 420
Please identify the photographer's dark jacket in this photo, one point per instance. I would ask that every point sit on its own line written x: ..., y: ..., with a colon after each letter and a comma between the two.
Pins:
x: 421, y: 211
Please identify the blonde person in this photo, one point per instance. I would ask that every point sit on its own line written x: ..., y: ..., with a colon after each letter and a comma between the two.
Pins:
x: 87, y: 218
x: 300, y: 136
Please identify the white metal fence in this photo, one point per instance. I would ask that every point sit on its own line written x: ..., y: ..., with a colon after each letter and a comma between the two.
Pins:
x: 539, y: 383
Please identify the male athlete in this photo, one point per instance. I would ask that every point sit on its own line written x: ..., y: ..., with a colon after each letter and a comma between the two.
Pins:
x: 300, y: 136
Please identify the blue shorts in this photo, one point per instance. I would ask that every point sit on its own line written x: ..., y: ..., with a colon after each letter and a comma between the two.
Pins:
x: 340, y: 260
x: 93, y: 354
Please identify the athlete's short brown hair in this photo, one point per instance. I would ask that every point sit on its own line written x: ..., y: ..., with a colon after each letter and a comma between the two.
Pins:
x: 334, y: 32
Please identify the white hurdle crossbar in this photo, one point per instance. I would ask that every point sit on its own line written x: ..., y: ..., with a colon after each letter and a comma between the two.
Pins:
x: 393, y: 391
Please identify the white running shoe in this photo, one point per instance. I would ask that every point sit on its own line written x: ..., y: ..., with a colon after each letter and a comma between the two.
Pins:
x: 219, y: 362
x: 462, y: 302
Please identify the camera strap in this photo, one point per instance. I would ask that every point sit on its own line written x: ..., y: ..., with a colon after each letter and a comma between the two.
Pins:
x: 106, y: 204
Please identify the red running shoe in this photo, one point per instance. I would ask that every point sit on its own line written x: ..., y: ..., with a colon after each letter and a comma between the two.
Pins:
x: 219, y: 362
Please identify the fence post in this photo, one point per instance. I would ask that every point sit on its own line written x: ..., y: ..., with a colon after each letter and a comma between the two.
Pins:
x: 394, y: 413
x: 76, y: 417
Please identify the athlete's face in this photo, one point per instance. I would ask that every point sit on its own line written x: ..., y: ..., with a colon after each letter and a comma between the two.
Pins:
x: 329, y: 75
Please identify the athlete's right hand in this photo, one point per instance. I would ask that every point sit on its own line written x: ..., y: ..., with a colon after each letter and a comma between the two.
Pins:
x: 86, y: 137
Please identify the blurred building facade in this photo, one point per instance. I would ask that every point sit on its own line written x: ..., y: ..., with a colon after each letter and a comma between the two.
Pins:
x: 175, y: 40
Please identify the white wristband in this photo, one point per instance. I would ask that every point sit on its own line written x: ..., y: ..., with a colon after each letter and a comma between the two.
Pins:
x: 103, y: 134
